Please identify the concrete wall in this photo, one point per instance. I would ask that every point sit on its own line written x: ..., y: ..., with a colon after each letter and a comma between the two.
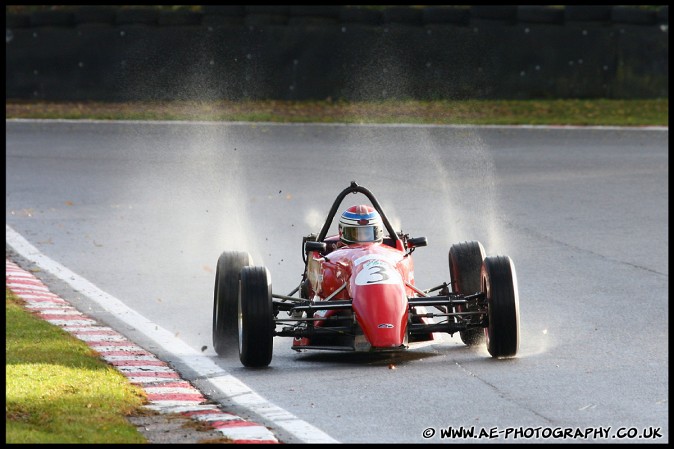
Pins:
x: 318, y: 52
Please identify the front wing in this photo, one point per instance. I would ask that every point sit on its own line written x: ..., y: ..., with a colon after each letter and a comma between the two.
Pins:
x: 342, y: 329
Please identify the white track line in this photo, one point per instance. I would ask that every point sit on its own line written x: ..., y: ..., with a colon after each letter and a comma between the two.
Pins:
x: 228, y: 385
x: 383, y: 125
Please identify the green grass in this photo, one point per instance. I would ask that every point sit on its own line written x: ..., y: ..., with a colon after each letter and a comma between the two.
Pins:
x: 58, y: 390
x: 479, y: 112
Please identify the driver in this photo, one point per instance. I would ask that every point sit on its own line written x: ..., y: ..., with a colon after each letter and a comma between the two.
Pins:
x: 359, y: 224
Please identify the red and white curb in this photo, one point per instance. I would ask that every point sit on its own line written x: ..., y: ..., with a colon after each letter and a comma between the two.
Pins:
x: 165, y: 390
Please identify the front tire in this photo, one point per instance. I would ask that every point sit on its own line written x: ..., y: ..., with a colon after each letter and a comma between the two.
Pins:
x: 226, y: 298
x: 465, y: 264
x: 256, y: 317
x: 499, y: 283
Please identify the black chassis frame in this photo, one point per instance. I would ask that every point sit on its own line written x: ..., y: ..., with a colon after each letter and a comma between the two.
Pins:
x: 475, y: 304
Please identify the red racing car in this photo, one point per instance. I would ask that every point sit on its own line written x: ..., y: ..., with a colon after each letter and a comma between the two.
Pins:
x: 357, y: 293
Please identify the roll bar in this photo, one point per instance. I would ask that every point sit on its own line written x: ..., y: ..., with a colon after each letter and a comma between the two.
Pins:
x: 355, y: 188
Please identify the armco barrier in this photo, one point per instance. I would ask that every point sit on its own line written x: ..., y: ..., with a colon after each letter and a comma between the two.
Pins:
x: 328, y: 51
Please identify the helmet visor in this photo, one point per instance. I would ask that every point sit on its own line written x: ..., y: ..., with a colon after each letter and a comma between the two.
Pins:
x: 359, y: 233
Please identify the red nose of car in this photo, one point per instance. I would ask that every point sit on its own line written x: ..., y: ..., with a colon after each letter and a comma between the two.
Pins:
x: 381, y: 311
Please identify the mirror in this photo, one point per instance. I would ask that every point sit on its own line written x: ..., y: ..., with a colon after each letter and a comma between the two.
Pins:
x: 417, y: 242
x: 315, y: 246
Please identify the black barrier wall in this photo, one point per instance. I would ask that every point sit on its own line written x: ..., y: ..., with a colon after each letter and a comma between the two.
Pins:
x: 338, y: 52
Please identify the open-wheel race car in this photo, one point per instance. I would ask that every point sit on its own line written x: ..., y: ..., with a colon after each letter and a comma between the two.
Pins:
x: 357, y: 293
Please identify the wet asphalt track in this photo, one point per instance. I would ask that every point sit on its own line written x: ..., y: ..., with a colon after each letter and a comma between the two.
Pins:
x: 144, y: 210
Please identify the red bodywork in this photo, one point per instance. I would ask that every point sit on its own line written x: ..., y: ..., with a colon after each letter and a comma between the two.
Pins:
x: 375, y: 275
x: 361, y: 296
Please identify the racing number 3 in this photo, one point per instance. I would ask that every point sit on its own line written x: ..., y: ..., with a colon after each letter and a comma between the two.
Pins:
x: 376, y: 272
x: 380, y: 271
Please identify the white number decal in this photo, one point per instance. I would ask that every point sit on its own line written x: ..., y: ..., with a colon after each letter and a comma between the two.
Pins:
x: 377, y: 272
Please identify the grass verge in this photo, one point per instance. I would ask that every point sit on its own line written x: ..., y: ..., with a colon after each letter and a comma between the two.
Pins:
x: 477, y: 112
x: 58, y: 390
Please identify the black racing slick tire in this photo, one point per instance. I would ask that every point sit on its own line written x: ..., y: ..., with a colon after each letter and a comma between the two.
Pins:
x: 225, y: 300
x: 499, y: 283
x: 465, y: 264
x: 256, y: 317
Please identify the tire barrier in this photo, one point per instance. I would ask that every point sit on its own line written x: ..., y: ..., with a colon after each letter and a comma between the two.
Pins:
x: 305, y: 52
x: 540, y: 14
x: 446, y: 15
x: 637, y: 16
x: 94, y: 14
x: 140, y: 16
x: 505, y: 13
x: 588, y: 13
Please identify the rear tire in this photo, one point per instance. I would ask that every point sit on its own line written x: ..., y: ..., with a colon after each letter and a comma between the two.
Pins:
x: 465, y: 264
x: 225, y: 300
x: 255, y: 317
x: 499, y: 282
